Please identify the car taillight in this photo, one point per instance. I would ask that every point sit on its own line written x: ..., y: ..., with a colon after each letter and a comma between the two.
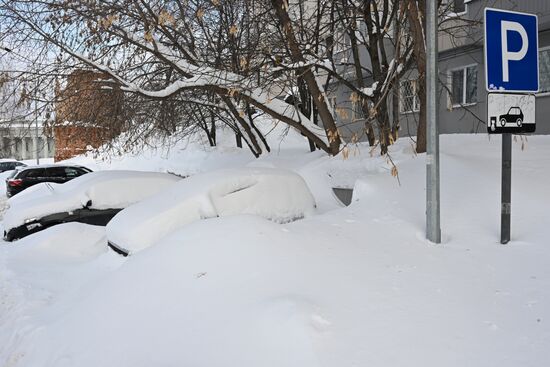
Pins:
x: 15, y: 182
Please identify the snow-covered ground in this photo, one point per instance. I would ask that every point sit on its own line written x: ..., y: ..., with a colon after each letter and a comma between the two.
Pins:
x: 349, y: 286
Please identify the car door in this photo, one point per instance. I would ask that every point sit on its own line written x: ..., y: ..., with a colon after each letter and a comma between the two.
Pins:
x: 33, y: 177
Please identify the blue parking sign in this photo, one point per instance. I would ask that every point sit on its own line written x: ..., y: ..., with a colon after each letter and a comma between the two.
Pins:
x: 511, y: 51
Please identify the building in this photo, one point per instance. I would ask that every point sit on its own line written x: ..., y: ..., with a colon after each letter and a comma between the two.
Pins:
x: 23, y: 131
x: 462, y: 94
x: 88, y: 113
x: 462, y: 66
x: 24, y: 140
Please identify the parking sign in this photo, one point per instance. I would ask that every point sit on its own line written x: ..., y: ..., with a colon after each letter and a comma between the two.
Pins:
x: 511, y: 51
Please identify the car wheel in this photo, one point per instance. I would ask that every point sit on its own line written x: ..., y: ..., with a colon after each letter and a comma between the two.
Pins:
x: 502, y: 122
x: 519, y: 122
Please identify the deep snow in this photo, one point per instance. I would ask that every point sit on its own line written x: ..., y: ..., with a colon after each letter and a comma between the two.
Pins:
x: 355, y: 286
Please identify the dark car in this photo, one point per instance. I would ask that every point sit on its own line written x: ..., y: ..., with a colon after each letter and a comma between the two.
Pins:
x: 9, y: 165
x: 26, y: 177
x: 514, y: 116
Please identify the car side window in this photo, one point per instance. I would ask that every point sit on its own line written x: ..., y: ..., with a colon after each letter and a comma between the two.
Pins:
x: 72, y: 172
x: 55, y: 172
x: 34, y: 173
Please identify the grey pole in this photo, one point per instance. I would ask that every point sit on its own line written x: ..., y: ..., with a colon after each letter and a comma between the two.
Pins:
x: 433, y: 226
x: 506, y: 194
x: 37, y: 153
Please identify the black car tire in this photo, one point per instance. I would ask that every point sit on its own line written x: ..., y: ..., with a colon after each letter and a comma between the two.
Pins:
x: 502, y: 122
x: 519, y: 122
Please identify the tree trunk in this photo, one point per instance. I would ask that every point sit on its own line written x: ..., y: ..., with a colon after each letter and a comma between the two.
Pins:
x: 421, y: 130
x: 250, y: 138
x: 319, y: 98
x: 258, y: 132
x: 385, y: 128
x: 416, y: 12
x: 213, y: 129
x: 239, y: 139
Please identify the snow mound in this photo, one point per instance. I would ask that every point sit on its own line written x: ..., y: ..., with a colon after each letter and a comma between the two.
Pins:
x: 278, y: 195
x: 3, y: 199
x: 105, y: 190
x: 64, y: 243
x: 194, y: 288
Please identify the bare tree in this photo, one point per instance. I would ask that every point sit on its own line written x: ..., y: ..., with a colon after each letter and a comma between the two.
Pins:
x: 211, y: 47
x: 232, y: 59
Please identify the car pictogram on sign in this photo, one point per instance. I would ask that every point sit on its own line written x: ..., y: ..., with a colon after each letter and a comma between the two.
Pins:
x: 510, y: 113
x: 514, y: 116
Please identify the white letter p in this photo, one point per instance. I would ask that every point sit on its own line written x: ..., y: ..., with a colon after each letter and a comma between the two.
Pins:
x: 509, y: 55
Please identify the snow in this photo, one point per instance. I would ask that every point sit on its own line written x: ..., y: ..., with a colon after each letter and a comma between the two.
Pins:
x: 57, y: 245
x: 369, y: 91
x: 3, y: 199
x: 105, y: 190
x: 278, y: 195
x: 353, y: 286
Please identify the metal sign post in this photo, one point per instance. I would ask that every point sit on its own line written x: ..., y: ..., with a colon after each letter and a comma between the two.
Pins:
x: 512, y: 75
x: 506, y: 194
x: 433, y: 225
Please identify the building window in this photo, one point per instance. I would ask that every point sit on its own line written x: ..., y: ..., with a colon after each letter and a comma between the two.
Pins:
x: 28, y: 146
x: 544, y: 71
x: 456, y: 7
x: 51, y: 146
x: 409, y: 96
x: 342, y: 45
x: 40, y: 145
x: 356, y: 113
x: 464, y: 86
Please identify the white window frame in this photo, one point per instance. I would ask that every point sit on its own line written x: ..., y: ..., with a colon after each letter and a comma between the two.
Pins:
x: 416, y: 100
x: 462, y: 102
x: 542, y: 94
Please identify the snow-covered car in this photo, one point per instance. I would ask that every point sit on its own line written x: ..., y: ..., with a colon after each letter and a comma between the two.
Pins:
x: 278, y: 195
x: 10, y: 164
x: 93, y: 198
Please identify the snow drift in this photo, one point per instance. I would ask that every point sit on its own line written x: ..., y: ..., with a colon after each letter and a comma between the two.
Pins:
x: 278, y: 195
